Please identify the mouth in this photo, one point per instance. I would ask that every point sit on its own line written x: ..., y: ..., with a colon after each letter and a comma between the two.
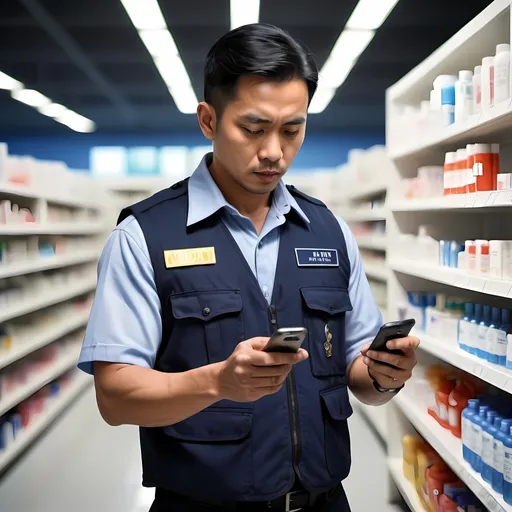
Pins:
x: 267, y: 176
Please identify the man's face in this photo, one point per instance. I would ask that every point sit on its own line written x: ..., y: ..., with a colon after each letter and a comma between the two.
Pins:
x: 261, y: 131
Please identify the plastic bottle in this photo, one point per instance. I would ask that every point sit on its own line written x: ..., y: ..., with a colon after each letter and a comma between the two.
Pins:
x: 488, y: 433
x: 410, y: 445
x: 483, y: 328
x: 474, y: 324
x: 470, y: 179
x: 457, y: 402
x: 483, y: 168
x: 478, y: 419
x: 507, y: 468
x: 492, y: 336
x: 495, y: 150
x: 427, y: 457
x: 468, y: 413
x: 487, y: 82
x: 463, y: 96
x: 499, y: 454
x: 502, y: 342
x: 448, y: 105
x: 443, y: 391
x: 464, y: 326
x: 502, y: 73
x: 450, y: 162
x: 460, y: 172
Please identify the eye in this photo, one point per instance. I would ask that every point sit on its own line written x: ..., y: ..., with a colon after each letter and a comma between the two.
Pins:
x: 291, y: 134
x: 252, y: 132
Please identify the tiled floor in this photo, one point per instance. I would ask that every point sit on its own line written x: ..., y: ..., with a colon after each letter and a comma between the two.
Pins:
x: 82, y: 465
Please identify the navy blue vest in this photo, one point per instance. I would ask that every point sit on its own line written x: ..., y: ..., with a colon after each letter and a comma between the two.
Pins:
x: 249, y: 451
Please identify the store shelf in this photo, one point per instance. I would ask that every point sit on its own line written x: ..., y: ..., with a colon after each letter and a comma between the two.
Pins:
x: 375, y: 242
x: 478, y: 201
x: 48, y: 298
x: 67, y: 228
x: 455, y: 277
x: 404, y: 486
x: 43, y: 337
x: 449, y: 448
x: 450, y: 352
x: 367, y: 191
x: 79, y: 383
x: 47, y: 263
x: 9, y: 189
x: 64, y: 363
x: 376, y: 270
x: 376, y: 416
x: 364, y: 214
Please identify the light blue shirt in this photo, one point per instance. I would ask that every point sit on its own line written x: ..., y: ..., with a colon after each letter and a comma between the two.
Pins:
x: 125, y: 324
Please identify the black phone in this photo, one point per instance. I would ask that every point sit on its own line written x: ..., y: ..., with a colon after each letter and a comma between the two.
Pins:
x: 286, y: 340
x: 392, y: 331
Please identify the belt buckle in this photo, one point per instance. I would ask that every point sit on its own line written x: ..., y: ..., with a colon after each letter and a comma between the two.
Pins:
x: 288, y: 502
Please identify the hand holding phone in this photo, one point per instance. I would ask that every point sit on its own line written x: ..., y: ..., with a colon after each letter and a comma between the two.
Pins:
x: 392, y: 331
x: 286, y: 340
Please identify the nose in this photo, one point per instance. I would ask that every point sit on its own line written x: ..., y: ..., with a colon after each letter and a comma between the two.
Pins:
x: 271, y: 148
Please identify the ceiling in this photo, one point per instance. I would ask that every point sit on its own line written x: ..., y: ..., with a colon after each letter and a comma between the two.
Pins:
x: 101, y: 69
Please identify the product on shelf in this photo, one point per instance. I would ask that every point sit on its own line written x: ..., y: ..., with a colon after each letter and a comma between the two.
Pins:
x: 437, y: 487
x: 12, y: 213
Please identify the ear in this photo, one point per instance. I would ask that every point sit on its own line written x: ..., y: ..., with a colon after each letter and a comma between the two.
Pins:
x: 207, y: 120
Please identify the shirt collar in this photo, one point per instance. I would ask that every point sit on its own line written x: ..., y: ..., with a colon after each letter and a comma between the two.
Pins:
x: 205, y: 197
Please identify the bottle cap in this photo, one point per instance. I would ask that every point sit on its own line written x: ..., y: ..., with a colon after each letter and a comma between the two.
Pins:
x: 504, y: 47
x: 482, y: 149
x: 478, y: 70
x: 444, y: 81
x: 487, y: 61
x: 450, y: 157
x: 487, y: 313
x: 505, y: 317
x: 496, y: 316
x: 465, y: 75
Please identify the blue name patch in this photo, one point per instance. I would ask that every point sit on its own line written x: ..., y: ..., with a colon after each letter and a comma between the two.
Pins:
x: 317, y: 257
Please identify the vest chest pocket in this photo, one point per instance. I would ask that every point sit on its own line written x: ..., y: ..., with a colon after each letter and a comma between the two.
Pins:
x: 325, y: 310
x: 212, y: 319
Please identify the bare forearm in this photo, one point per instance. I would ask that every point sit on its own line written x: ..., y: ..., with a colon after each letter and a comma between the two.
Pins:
x: 133, y: 395
x: 361, y: 385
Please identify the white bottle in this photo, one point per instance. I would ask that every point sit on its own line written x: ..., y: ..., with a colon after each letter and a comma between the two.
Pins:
x: 463, y: 96
x: 477, y: 90
x: 487, y: 82
x: 502, y: 73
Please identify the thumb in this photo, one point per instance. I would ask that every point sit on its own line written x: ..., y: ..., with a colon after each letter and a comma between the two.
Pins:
x: 258, y: 343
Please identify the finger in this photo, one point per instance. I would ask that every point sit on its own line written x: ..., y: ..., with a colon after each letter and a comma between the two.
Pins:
x: 271, y: 371
x: 409, y: 343
x: 389, y: 371
x: 404, y: 362
x: 258, y: 343
x: 385, y: 381
x: 267, y: 382
x: 365, y: 348
x: 259, y: 358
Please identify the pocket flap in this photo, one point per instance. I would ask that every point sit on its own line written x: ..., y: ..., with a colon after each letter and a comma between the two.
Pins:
x: 212, y: 426
x: 329, y: 300
x: 206, y: 305
x: 337, y: 402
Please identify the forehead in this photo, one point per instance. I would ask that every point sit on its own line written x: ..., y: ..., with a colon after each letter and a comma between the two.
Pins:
x: 271, y: 98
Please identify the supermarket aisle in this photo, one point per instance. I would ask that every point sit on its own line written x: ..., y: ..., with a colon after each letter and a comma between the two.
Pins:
x: 83, y: 466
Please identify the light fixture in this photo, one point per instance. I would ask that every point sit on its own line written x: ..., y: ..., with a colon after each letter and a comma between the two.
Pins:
x: 76, y: 122
x: 52, y: 110
x: 147, y: 18
x: 370, y: 14
x: 145, y: 14
x: 321, y: 99
x: 8, y: 83
x: 244, y: 12
x: 30, y: 97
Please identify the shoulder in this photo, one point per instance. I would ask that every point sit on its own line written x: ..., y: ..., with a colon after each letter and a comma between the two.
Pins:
x: 301, y: 195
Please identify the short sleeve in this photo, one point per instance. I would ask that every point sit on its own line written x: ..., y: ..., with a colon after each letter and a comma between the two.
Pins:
x: 365, y: 319
x: 125, y: 323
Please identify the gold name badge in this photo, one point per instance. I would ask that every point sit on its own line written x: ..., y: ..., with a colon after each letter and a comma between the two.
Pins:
x: 190, y: 257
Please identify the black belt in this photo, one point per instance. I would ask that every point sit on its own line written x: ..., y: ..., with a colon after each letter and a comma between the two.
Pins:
x: 295, y: 500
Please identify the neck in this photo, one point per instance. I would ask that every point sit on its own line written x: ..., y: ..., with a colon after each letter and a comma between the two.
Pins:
x: 252, y: 206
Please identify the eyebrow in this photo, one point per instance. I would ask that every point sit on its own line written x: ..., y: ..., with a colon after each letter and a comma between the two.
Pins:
x: 255, y: 119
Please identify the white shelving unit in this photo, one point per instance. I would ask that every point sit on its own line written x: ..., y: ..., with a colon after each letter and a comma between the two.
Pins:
x: 57, y: 301
x: 481, y: 215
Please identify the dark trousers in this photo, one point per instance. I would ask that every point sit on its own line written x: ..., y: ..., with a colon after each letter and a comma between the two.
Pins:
x: 165, y: 503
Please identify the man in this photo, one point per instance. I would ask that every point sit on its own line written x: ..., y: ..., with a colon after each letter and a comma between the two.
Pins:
x: 194, y: 280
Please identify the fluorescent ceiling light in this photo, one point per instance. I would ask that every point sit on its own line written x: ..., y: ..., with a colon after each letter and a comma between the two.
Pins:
x: 76, y: 122
x: 158, y: 42
x: 8, y: 83
x: 145, y: 14
x: 53, y: 110
x: 30, y: 97
x: 244, y: 12
x: 321, y: 99
x: 370, y: 14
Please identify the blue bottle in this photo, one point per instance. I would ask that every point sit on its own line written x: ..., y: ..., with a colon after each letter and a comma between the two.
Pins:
x: 483, y: 328
x: 499, y: 454
x: 478, y: 420
x: 467, y: 435
x: 488, y: 433
x: 507, y: 468
x: 464, y: 327
x: 474, y: 323
x: 502, y: 336
x: 493, y: 336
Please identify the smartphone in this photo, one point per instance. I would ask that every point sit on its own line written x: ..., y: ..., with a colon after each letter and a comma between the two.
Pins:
x: 286, y: 340
x: 392, y: 331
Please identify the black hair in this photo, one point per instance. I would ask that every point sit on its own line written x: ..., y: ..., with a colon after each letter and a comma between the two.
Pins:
x: 257, y: 49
